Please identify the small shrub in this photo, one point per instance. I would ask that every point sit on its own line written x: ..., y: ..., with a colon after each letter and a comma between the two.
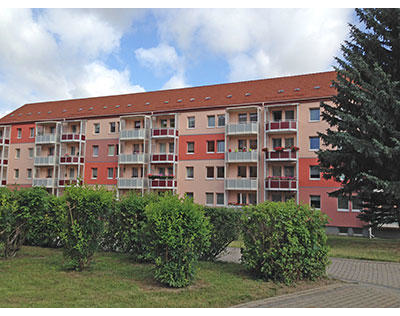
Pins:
x: 13, y: 224
x: 46, y: 216
x: 86, y: 208
x: 124, y: 230
x: 225, y: 228
x: 178, y: 234
x: 284, y: 242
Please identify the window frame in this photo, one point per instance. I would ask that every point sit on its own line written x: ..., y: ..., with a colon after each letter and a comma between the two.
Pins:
x: 96, y: 128
x: 219, y: 141
x: 113, y: 126
x: 213, y: 172
x: 319, y: 196
x: 93, y: 151
x: 31, y: 135
x: 319, y: 115
x: 223, y: 172
x: 187, y: 148
x: 221, y: 116
x: 208, y: 121
x: 319, y: 173
x: 223, y: 198
x: 109, y: 146
x: 191, y: 119
x: 319, y: 143
x: 93, y: 175
x: 188, y: 173
x: 209, y: 142
x: 19, y: 133
x: 346, y: 210
x: 112, y: 173
x: 207, y: 195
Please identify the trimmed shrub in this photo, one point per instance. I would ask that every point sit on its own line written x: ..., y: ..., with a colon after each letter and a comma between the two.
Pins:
x: 225, y: 228
x: 124, y: 230
x: 178, y: 234
x: 46, y: 216
x: 13, y: 224
x: 284, y: 242
x: 86, y: 208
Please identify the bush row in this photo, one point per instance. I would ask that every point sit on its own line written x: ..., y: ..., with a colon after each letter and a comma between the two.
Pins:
x: 283, y: 241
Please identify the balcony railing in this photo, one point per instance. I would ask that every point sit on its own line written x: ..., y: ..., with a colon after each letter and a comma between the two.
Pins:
x: 66, y: 137
x: 3, y: 182
x: 281, y: 155
x: 164, y: 132
x: 240, y: 129
x: 162, y: 184
x: 133, y: 158
x: 132, y: 183
x: 241, y: 184
x: 127, y: 134
x: 281, y: 126
x: 4, y: 141
x: 281, y: 184
x: 248, y: 156
x: 4, y: 161
x: 46, y: 139
x: 163, y: 158
x: 44, y: 161
x: 66, y: 182
x: 71, y: 160
x: 44, y: 182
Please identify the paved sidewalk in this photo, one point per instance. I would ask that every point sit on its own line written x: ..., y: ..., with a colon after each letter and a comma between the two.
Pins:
x: 368, y: 284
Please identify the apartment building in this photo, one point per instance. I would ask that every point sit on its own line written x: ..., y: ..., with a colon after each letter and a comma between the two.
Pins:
x: 223, y: 145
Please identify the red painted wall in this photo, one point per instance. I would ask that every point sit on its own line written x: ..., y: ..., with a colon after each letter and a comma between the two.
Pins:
x: 200, y: 147
x: 24, y: 134
x: 322, y: 187
x: 102, y: 162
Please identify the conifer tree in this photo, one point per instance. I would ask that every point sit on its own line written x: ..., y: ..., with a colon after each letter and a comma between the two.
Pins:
x: 363, y: 142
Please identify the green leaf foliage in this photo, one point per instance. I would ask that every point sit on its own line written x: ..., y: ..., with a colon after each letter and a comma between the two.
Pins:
x: 284, y: 242
x: 178, y: 233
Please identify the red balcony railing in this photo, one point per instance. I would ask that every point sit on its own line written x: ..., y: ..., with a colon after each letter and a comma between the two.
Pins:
x: 3, y: 182
x: 65, y: 182
x: 163, y: 184
x: 281, y: 125
x: 281, y: 184
x: 4, y: 141
x: 4, y: 161
x: 164, y: 132
x: 163, y: 158
x: 72, y: 137
x: 72, y: 159
x: 281, y: 155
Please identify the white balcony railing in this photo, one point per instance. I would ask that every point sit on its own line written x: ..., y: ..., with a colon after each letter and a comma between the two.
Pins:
x: 126, y: 134
x: 248, y: 156
x: 45, y: 161
x: 44, y: 182
x: 241, y: 184
x: 133, y: 158
x: 132, y: 183
x: 237, y: 129
x: 46, y: 139
x: 281, y: 126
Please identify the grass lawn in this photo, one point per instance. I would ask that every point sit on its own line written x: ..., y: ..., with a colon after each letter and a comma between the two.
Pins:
x: 35, y: 278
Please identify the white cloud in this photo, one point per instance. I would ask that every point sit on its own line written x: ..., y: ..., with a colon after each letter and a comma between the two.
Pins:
x: 258, y: 43
x: 57, y: 54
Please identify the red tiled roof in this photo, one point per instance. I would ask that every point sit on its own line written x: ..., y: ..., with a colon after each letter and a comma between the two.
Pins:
x: 272, y: 90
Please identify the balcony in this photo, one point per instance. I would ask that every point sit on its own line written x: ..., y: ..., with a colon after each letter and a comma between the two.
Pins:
x: 248, y: 156
x: 287, y: 155
x: 164, y: 132
x: 241, y: 184
x: 162, y: 184
x: 4, y: 141
x: 163, y: 158
x: 242, y: 129
x: 133, y: 158
x: 132, y: 183
x: 46, y: 139
x: 72, y: 137
x: 67, y: 182
x: 4, y: 162
x: 281, y: 184
x: 44, y: 161
x: 44, y: 182
x: 3, y: 183
x: 71, y: 160
x: 132, y: 134
x: 281, y: 127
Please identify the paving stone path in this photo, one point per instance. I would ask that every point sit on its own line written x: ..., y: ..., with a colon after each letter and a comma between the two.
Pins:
x: 367, y: 284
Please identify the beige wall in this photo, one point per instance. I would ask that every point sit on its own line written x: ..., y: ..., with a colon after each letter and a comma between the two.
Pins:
x: 201, y: 123
x: 23, y: 163
x: 104, y: 128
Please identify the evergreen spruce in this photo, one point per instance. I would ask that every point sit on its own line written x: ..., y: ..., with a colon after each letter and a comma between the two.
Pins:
x: 364, y: 139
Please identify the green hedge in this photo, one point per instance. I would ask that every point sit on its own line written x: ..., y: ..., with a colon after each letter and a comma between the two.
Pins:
x: 284, y: 242
x: 13, y: 226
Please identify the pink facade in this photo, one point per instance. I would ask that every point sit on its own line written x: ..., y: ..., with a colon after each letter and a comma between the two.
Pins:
x: 230, y: 153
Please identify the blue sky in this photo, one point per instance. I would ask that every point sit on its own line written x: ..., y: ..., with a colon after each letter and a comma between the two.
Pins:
x: 53, y: 54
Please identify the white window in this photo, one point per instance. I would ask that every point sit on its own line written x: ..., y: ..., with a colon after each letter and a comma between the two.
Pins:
x: 96, y: 128
x: 19, y: 133
x: 29, y: 173
x: 315, y: 201
x: 32, y: 132
x: 30, y: 152
x: 220, y: 172
x: 220, y: 146
x: 210, y: 146
x: 191, y: 122
x: 314, y: 173
x: 110, y: 173
x: 211, y: 120
x: 17, y: 153
x: 314, y: 115
x: 314, y: 143
x: 190, y: 147
x: 209, y: 198
x: 95, y: 149
x: 112, y: 127
x: 343, y: 204
x: 221, y: 120
x: 163, y: 148
x: 94, y: 173
x: 16, y: 173
x: 189, y: 172
x: 210, y: 172
x: 111, y: 150
x: 220, y: 199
